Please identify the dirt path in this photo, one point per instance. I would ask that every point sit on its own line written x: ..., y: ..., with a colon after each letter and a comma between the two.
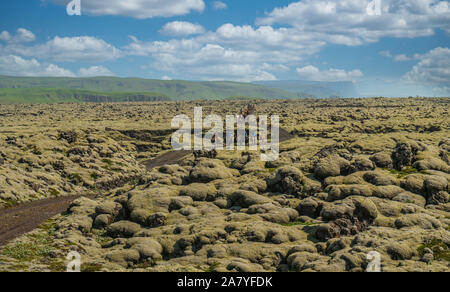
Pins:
x: 24, y: 218
x: 174, y: 157
x: 285, y: 135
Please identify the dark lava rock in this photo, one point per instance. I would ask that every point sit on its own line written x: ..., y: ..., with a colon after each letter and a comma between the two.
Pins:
x: 205, y: 154
x: 402, y: 156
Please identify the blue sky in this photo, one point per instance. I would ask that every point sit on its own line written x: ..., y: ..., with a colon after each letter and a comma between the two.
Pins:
x: 401, y: 50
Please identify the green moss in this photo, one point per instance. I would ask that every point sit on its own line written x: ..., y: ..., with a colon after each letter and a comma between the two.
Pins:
x: 20, y: 268
x: 298, y: 224
x: 211, y: 268
x: 27, y: 251
x: 227, y: 163
x: 91, y: 268
x: 107, y: 162
x: 101, y: 236
x: 9, y: 203
x: 36, y: 150
x: 94, y: 176
x: 49, y: 226
x: 272, y: 169
x: 38, y: 246
x: 53, y: 192
x: 112, y: 165
x: 145, y: 265
x: 440, y: 249
x: 405, y: 171
x: 57, y: 267
x: 76, y: 178
x: 69, y: 244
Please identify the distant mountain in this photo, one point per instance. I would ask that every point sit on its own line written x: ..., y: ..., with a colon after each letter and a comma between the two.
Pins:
x: 57, y: 95
x: 317, y: 89
x: 175, y: 90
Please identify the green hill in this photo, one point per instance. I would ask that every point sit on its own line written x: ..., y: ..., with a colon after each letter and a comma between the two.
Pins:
x: 175, y: 90
x: 55, y: 95
x: 241, y: 98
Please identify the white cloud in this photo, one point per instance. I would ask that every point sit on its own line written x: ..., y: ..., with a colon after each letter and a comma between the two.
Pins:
x: 66, y: 49
x: 347, y: 21
x: 201, y: 59
x: 275, y: 68
x: 95, y: 71
x: 54, y: 70
x: 312, y: 73
x: 166, y: 78
x: 22, y: 36
x: 281, y: 40
x: 386, y: 54
x: 241, y: 53
x: 402, y: 58
x: 442, y: 91
x: 181, y: 28
x: 17, y: 66
x: 72, y: 49
x: 264, y: 43
x: 288, y: 35
x: 433, y: 69
x: 140, y: 9
x: 5, y: 36
x: 219, y: 5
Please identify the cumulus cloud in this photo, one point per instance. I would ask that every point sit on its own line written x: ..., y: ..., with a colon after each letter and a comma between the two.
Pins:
x: 241, y: 53
x: 202, y: 60
x: 140, y: 9
x: 433, y: 69
x: 265, y: 37
x: 288, y: 35
x: 347, y: 22
x: 312, y: 73
x: 73, y: 49
x: 401, y: 57
x: 275, y: 67
x: 265, y: 43
x: 219, y: 5
x: 442, y: 91
x: 67, y: 49
x: 95, y: 71
x: 18, y: 66
x: 181, y: 28
x: 281, y: 40
x: 386, y: 54
x: 22, y: 36
x: 5, y: 36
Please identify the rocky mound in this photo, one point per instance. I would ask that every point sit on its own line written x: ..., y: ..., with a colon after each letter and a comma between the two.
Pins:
x: 335, y: 195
